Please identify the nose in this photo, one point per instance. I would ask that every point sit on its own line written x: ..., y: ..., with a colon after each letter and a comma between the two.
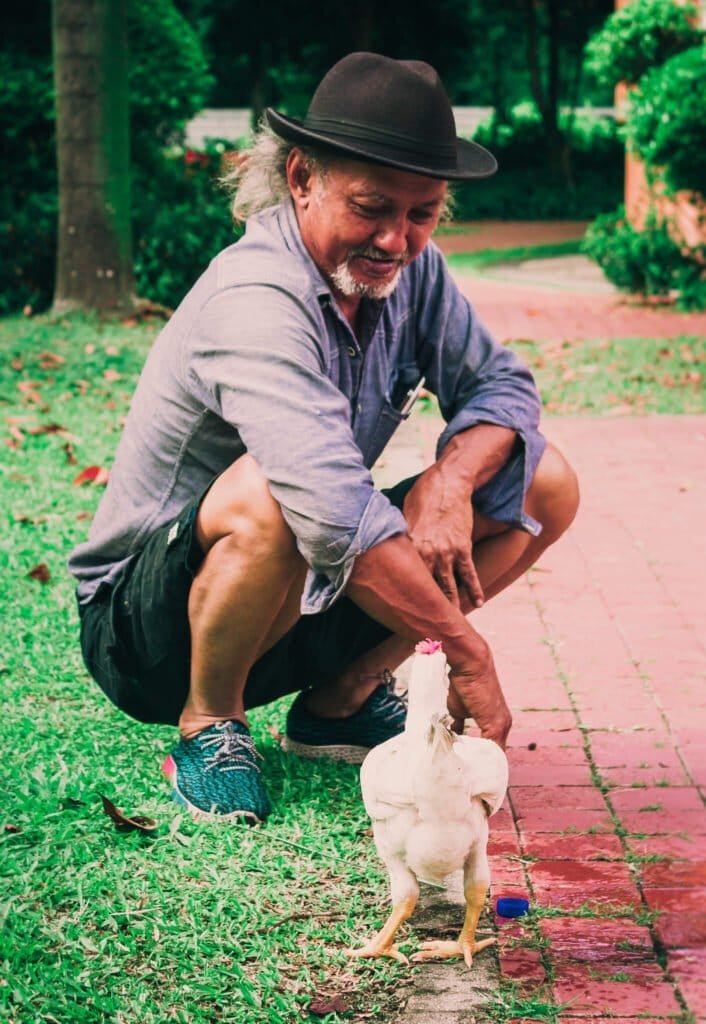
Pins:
x: 391, y: 236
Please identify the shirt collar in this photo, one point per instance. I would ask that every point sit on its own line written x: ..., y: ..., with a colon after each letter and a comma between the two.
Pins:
x: 285, y: 217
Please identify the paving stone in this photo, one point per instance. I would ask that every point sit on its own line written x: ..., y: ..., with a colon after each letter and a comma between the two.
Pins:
x: 581, y: 798
x: 616, y: 611
x: 670, y: 799
x: 674, y: 874
x: 523, y: 966
x: 675, y: 847
x: 563, y: 820
x: 589, y: 996
x: 684, y: 901
x: 688, y: 968
x: 687, y: 823
x: 575, y: 846
x: 681, y: 930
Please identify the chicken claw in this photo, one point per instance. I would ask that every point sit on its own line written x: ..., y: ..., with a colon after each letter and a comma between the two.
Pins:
x: 444, y: 949
x: 374, y: 949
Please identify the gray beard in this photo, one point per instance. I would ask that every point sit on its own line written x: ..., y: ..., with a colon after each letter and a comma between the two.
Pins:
x: 347, y: 285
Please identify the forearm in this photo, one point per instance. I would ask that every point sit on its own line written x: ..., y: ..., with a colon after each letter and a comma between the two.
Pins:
x: 474, y: 456
x: 394, y: 586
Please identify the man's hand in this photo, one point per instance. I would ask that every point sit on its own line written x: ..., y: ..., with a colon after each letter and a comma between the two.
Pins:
x: 476, y: 693
x: 440, y: 523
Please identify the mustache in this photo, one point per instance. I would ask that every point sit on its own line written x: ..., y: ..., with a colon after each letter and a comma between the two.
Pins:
x: 373, y: 253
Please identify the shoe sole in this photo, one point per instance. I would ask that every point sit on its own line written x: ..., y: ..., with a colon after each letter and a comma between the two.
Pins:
x: 335, y: 751
x: 170, y: 770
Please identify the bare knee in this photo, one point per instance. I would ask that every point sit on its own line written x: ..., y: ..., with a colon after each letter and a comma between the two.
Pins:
x: 240, y: 507
x: 553, y: 497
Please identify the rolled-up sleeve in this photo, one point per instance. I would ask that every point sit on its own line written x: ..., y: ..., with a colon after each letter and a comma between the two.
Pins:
x: 259, y: 361
x: 475, y: 379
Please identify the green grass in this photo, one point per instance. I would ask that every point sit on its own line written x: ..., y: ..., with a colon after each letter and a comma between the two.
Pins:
x: 199, y: 924
x: 621, y: 377
x: 514, y: 254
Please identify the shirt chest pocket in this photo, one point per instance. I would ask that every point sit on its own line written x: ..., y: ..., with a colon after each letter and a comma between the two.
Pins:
x: 394, y: 407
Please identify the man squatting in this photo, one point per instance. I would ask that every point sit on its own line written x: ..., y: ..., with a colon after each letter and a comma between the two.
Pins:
x: 241, y: 551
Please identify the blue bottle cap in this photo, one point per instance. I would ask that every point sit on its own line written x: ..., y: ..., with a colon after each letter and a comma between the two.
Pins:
x: 511, y: 906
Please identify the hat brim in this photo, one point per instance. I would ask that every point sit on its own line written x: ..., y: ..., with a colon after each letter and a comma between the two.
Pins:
x: 472, y: 160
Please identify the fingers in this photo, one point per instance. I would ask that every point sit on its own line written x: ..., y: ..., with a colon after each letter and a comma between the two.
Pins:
x: 454, y: 572
x: 468, y: 577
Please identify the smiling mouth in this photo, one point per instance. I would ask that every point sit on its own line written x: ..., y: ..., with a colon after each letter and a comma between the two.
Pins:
x: 377, y: 266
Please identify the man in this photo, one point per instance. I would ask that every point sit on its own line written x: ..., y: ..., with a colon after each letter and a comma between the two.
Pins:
x: 241, y: 551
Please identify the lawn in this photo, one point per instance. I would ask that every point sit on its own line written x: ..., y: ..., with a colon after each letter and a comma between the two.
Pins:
x: 192, y: 923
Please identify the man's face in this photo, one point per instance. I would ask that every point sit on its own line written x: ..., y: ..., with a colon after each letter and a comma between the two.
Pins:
x: 362, y: 223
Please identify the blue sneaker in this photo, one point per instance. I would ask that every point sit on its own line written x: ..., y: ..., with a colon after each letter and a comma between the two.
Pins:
x: 381, y: 717
x: 215, y: 774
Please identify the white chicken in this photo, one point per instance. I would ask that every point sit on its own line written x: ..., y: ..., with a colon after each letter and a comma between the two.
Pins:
x: 429, y: 794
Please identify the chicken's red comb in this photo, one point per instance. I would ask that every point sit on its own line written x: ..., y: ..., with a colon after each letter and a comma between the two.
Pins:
x: 428, y: 646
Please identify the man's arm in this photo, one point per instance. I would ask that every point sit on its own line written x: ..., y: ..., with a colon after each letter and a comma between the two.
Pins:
x: 392, y: 584
x: 438, y: 509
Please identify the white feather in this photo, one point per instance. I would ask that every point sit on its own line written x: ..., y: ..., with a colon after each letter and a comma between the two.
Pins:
x: 428, y: 791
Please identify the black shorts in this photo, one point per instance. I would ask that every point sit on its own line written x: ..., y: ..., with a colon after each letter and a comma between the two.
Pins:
x: 135, y: 633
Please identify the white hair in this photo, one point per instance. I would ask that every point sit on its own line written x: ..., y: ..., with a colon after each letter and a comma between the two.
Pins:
x: 259, y: 177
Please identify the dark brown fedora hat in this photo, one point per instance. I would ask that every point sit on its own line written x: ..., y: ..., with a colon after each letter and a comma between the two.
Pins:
x: 391, y: 112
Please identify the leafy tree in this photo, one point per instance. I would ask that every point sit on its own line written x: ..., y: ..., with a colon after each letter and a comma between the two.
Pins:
x: 641, y: 36
x: 666, y: 123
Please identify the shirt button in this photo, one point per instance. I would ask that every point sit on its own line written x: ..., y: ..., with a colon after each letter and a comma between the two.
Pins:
x: 351, y: 351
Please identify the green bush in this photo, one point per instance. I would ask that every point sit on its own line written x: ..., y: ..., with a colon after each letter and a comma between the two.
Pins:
x: 169, y: 83
x: 667, y: 121
x: 179, y: 227
x: 647, y: 262
x: 639, y: 36
x: 524, y: 189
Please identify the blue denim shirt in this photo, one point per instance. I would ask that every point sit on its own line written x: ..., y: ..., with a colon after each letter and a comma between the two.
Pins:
x: 259, y: 358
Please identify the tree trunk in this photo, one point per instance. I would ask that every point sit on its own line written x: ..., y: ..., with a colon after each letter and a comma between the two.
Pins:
x: 94, y: 256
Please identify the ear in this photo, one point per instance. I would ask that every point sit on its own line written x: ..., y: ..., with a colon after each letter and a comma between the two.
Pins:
x: 299, y: 178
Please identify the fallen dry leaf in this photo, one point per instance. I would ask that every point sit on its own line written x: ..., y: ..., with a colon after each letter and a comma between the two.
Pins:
x: 112, y: 375
x: 275, y: 734
x: 70, y: 454
x: 321, y: 1004
x: 33, y: 520
x: 29, y: 390
x: 14, y: 829
x: 89, y: 349
x: 40, y: 573
x: 96, y: 475
x: 136, y: 822
x: 17, y: 364
x: 84, y: 515
x: 51, y: 428
x: 50, y: 360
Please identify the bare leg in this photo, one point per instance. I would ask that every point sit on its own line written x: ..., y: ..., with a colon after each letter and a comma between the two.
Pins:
x: 501, y: 555
x: 245, y: 596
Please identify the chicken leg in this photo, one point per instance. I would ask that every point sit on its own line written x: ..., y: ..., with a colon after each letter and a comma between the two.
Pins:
x: 405, y: 893
x: 465, y: 945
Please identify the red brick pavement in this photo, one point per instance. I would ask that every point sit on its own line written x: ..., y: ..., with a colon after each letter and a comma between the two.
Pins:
x: 548, y: 313
x: 602, y: 652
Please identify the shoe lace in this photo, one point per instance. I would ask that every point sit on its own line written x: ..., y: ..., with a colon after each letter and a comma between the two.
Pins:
x: 232, y: 751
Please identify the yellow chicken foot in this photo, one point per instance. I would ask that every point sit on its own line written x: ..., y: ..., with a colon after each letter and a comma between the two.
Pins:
x: 465, y: 945
x: 382, y: 944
